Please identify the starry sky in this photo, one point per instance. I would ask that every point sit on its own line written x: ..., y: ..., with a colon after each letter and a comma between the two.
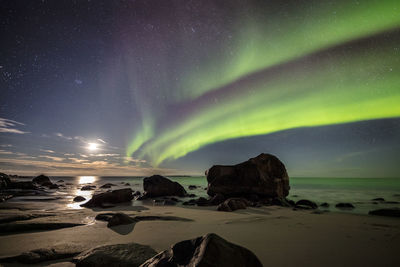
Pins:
x: 173, y: 87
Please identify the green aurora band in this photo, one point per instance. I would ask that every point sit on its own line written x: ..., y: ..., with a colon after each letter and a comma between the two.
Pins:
x: 297, y: 90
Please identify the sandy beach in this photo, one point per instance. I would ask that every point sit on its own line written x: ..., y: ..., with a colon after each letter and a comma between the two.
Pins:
x: 278, y: 236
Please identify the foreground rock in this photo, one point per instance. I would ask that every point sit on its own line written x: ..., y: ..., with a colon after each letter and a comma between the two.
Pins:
x: 205, y: 251
x: 113, y: 197
x: 158, y: 186
x: 264, y: 176
x: 394, y: 212
x: 233, y: 204
x: 131, y: 254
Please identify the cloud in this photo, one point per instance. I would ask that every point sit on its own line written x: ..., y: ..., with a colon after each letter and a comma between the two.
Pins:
x: 69, y: 154
x: 6, y: 145
x: 105, y: 155
x: 52, y: 158
x: 4, y: 152
x: 47, y: 150
x: 101, y: 140
x: 76, y: 160
x: 63, y: 136
x: 8, y: 126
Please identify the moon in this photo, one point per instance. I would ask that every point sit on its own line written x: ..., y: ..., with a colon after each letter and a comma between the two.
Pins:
x: 92, y: 146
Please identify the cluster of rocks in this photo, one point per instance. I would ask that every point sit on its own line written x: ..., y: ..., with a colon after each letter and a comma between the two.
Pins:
x: 207, y: 250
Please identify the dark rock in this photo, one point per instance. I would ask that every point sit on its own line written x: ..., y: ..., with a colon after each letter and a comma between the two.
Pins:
x: 4, y: 180
x: 104, y: 216
x: 192, y: 187
x: 60, y: 181
x: 113, y: 197
x: 131, y: 254
x: 264, y: 175
x: 22, y: 185
x: 344, y: 206
x: 191, y: 195
x: 216, y: 199
x: 325, y: 205
x: 79, y: 198
x: 108, y: 185
x: 53, y: 186
x: 233, y: 204
x: 391, y: 202
x: 119, y: 219
x: 157, y: 186
x: 308, y: 203
x: 206, y: 251
x: 88, y: 187
x: 393, y: 212
x: 201, y: 201
x: 277, y: 201
x: 42, y: 180
x: 291, y: 202
x: 378, y: 199
x: 127, y: 184
x: 253, y: 198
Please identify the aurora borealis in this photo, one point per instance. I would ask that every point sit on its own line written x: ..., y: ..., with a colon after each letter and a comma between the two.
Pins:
x: 319, y: 65
x: 172, y: 85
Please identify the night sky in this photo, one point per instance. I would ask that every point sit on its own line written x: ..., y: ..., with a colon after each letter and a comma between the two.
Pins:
x: 173, y: 87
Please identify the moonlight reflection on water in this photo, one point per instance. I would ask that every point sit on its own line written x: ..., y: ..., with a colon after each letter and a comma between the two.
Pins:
x: 87, y: 179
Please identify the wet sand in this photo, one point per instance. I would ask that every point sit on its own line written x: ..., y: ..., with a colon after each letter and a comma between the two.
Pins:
x: 278, y: 236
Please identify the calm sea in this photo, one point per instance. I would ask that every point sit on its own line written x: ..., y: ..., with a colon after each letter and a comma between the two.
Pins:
x: 358, y: 191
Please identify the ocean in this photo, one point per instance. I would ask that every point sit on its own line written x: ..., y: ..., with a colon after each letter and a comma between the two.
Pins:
x: 358, y: 191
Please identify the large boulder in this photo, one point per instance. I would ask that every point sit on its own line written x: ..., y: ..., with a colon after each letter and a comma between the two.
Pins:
x: 42, y: 180
x: 205, y: 251
x: 112, y: 197
x: 158, y: 186
x: 264, y: 175
x: 131, y: 254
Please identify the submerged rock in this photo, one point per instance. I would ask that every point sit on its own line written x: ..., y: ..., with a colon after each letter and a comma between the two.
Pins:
x: 393, y: 212
x: 88, y: 187
x: 325, y: 205
x: 205, y: 251
x: 131, y: 254
x: 108, y: 185
x: 378, y: 199
x: 192, y: 187
x: 344, y: 206
x: 158, y: 186
x: 113, y: 197
x: 264, y: 175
